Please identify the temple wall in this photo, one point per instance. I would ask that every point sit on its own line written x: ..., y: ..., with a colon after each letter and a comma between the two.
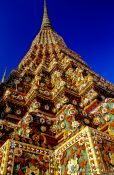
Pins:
x: 23, y: 159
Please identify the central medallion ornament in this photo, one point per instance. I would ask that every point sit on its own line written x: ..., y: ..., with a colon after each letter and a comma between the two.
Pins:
x: 32, y: 170
x: 73, y: 167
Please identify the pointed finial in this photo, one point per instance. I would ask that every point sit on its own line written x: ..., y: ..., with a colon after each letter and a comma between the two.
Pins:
x: 46, y: 22
x: 4, y: 76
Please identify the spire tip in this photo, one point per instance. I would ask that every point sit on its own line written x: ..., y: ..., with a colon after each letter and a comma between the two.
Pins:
x: 4, y: 76
x: 46, y: 22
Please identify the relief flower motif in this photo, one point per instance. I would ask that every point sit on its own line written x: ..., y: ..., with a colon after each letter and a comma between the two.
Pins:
x: 46, y: 107
x: 18, y: 152
x: 72, y: 111
x: 28, y: 119
x: 73, y: 167
x: 107, y: 118
x: 42, y: 120
x: 13, y: 144
x: 43, y: 128
x: 61, y: 117
x: 63, y: 125
x: 75, y: 124
x: 96, y: 121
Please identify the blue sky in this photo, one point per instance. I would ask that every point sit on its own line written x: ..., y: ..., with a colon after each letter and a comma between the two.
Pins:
x: 87, y: 27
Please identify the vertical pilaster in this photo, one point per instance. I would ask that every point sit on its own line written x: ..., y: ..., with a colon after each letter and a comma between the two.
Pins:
x: 94, y: 154
x: 4, y: 164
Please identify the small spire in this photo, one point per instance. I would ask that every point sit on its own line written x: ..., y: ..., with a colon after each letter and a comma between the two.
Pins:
x: 4, y: 76
x: 45, y: 22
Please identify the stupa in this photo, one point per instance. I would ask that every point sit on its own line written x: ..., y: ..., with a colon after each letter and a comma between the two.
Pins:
x: 56, y: 114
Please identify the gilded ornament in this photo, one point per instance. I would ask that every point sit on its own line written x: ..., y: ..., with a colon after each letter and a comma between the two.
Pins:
x: 18, y: 112
x: 35, y: 105
x: 54, y: 128
x: 87, y: 121
x: 28, y: 119
x: 46, y: 158
x: 20, y: 97
x: 72, y: 112
x: 111, y: 128
x: 8, y: 109
x: 75, y: 124
x: 43, y: 128
x: 112, y: 159
x: 1, y: 134
x: 58, y: 105
x: 74, y: 102
x: 65, y: 100
x: 28, y: 79
x: 42, y: 120
x: 96, y: 121
x: 81, y: 105
x: 7, y: 93
x: 104, y: 110
x: 107, y: 118
x: 16, y: 81
x: 18, y: 152
x: 46, y: 107
x: 31, y: 170
x: 54, y: 110
x: 61, y: 117
x: 63, y: 125
x: 48, y: 122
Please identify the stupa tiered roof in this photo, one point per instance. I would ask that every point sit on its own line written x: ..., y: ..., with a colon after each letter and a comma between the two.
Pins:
x: 57, y: 114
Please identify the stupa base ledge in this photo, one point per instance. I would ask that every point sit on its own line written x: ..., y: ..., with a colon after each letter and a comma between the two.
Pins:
x: 87, y: 153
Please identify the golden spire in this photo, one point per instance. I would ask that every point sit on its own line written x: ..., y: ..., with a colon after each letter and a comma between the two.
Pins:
x: 46, y: 22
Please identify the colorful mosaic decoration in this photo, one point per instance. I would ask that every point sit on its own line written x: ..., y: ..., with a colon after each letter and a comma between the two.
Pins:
x: 56, y: 114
